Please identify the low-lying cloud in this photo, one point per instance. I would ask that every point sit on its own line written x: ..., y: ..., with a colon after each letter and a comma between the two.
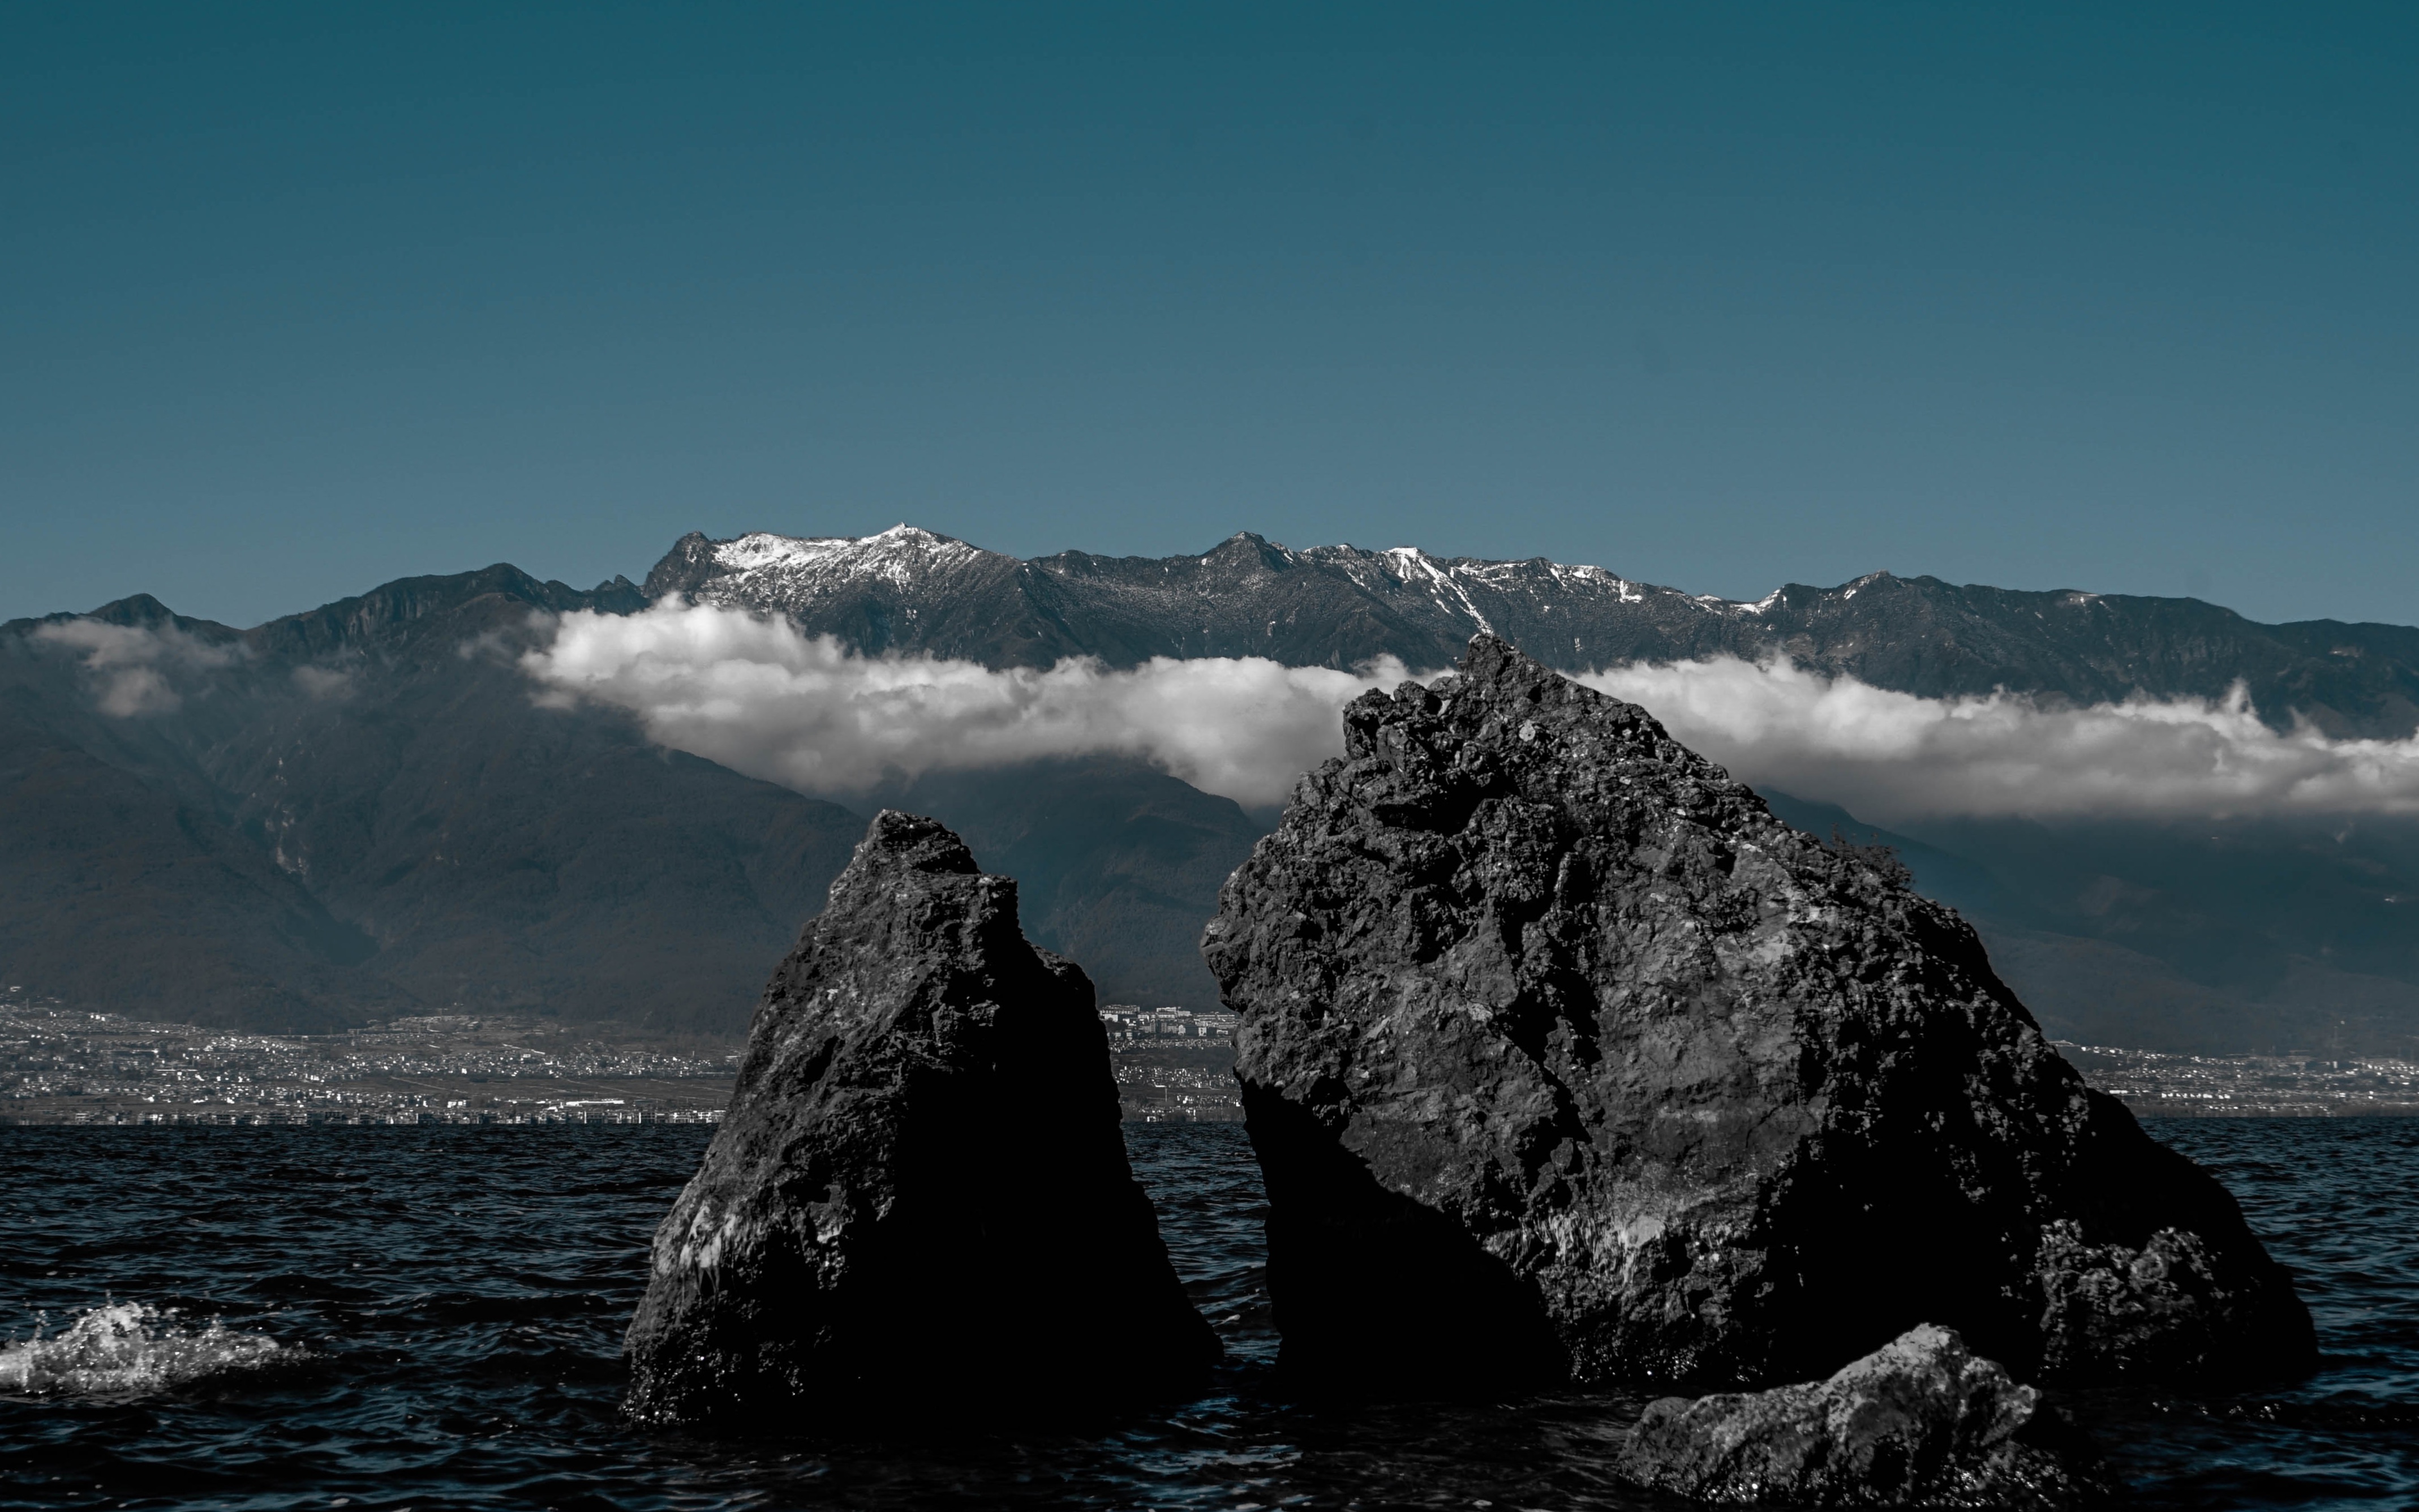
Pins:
x: 130, y: 665
x: 1892, y: 756
x: 757, y: 695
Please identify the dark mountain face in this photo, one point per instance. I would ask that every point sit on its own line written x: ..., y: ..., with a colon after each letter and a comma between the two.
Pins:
x: 2209, y: 937
x: 361, y: 808
x: 910, y: 590
x: 364, y: 809
x: 2186, y: 936
x: 117, y: 894
x: 1118, y: 865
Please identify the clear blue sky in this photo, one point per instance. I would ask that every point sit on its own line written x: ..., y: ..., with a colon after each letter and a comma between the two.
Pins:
x: 301, y: 299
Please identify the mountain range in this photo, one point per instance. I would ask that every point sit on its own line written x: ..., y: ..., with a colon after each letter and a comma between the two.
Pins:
x: 910, y: 590
x: 364, y: 809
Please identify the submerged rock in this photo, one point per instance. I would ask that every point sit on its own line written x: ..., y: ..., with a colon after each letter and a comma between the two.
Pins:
x: 1563, y: 1055
x: 1921, y: 1422
x: 920, y: 1190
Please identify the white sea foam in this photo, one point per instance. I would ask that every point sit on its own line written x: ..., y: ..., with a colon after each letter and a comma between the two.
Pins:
x: 129, y: 1349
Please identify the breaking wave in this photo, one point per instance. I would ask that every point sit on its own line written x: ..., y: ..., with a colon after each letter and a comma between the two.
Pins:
x: 129, y: 1349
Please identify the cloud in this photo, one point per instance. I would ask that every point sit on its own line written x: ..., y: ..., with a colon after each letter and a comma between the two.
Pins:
x: 131, y: 665
x: 1893, y: 756
x: 760, y: 697
x: 324, y: 681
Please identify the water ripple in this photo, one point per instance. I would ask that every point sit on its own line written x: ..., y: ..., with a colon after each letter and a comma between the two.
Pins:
x: 390, y: 1317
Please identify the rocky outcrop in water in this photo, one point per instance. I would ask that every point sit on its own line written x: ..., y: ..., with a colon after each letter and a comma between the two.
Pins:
x: 1921, y: 1422
x: 1563, y: 1055
x: 920, y: 1190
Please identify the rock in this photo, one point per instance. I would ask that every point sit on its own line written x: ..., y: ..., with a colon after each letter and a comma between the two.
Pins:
x: 919, y: 1193
x: 1563, y: 1055
x: 1921, y: 1422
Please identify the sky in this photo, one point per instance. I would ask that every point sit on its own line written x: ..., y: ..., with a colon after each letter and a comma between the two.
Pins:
x: 301, y: 299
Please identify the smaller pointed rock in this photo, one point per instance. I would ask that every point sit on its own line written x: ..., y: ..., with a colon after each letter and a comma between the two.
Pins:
x: 920, y: 1192
x: 1923, y: 1421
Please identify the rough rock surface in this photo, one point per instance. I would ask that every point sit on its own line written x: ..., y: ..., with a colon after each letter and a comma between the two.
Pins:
x: 1560, y: 1054
x: 1921, y: 1422
x: 920, y: 1190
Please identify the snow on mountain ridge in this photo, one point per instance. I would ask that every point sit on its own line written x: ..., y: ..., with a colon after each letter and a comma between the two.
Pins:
x: 1245, y: 595
x: 744, y: 567
x: 793, y: 566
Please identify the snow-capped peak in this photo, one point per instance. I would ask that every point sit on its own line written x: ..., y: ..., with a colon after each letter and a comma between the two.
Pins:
x: 762, y: 567
x: 857, y: 555
x: 1408, y: 560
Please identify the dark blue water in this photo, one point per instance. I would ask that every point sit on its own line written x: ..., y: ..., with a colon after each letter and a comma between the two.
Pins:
x: 428, y: 1317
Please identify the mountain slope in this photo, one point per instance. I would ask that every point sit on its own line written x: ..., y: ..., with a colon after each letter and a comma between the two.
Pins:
x: 1118, y: 866
x: 2211, y: 937
x: 362, y: 808
x: 116, y: 892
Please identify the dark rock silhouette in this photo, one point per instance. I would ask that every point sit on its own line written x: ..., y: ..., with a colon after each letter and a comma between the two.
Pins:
x: 1562, y: 1054
x: 921, y: 1191
x: 1921, y: 1422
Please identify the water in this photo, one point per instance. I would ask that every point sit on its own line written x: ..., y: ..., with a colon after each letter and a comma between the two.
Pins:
x: 400, y: 1317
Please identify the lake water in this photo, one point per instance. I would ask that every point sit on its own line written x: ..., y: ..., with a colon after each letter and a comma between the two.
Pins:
x: 390, y: 1317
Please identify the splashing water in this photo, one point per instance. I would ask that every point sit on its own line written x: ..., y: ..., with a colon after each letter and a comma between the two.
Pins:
x: 128, y: 1348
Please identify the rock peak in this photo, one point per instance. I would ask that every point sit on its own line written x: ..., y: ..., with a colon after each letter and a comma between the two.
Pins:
x: 904, y: 842
x: 1495, y: 666
x: 920, y: 1193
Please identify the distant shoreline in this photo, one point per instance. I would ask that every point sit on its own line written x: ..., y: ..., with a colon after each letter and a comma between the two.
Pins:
x: 65, y: 1067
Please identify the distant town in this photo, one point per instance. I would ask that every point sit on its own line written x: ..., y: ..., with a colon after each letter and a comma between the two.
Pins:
x: 64, y: 1065
x: 1130, y: 1024
x: 1174, y: 1065
x: 2158, y: 1085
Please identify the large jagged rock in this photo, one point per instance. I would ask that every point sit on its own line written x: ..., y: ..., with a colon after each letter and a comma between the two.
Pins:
x: 1921, y: 1422
x: 1562, y: 1055
x: 920, y: 1190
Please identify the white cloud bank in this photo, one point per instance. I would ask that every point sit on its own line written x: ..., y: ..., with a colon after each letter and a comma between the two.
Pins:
x: 1891, y: 756
x: 756, y: 695
x: 759, y: 697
